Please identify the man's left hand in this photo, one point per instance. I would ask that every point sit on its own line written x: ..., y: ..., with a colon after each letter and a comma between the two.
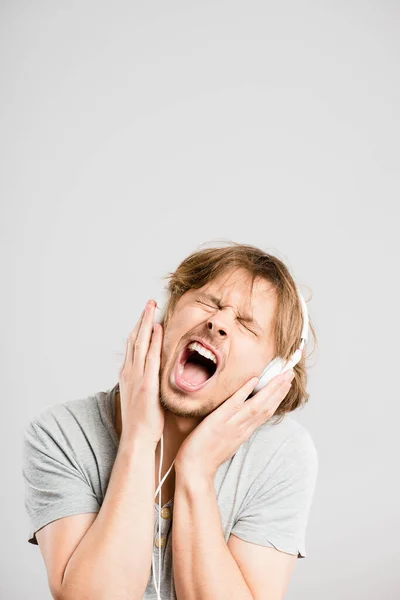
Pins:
x: 219, y: 435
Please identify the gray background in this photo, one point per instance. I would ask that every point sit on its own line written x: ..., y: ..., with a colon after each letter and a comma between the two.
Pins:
x: 131, y: 134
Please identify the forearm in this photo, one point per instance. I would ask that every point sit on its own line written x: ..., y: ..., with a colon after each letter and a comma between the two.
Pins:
x: 203, y: 566
x: 113, y: 559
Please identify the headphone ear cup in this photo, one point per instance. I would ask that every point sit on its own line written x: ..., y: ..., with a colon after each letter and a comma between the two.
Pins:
x: 272, y: 369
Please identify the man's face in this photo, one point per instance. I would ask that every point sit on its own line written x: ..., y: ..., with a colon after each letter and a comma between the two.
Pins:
x: 243, y: 348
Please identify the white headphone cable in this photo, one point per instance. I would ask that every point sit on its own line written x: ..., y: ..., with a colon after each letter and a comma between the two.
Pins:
x: 158, y: 589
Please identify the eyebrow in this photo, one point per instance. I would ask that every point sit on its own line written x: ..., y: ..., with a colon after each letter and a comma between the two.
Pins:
x: 216, y: 301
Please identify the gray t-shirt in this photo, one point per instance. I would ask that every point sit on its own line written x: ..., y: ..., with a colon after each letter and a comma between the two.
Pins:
x: 264, y: 492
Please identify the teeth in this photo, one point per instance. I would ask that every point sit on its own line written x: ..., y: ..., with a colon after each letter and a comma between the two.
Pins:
x: 203, y: 351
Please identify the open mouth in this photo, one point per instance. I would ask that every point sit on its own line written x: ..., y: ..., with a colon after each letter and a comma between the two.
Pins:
x: 195, y: 367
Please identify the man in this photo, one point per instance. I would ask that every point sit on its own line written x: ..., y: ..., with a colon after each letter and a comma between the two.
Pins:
x: 236, y: 504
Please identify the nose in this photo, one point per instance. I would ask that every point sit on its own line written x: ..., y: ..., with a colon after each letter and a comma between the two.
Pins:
x: 215, y: 325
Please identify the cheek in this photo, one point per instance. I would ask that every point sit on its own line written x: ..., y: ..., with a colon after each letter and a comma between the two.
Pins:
x: 246, y: 358
x: 178, y: 327
x: 183, y: 321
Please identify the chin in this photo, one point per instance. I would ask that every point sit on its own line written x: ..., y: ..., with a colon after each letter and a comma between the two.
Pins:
x: 184, y: 405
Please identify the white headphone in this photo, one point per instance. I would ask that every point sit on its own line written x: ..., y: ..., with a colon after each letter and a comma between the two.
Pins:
x: 280, y: 365
x: 275, y: 367
x: 159, y: 516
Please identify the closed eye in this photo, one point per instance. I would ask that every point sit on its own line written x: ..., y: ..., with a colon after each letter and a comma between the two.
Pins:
x: 205, y: 304
x: 243, y: 325
x: 248, y: 329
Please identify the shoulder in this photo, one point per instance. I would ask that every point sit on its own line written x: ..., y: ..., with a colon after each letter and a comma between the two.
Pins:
x: 84, y: 410
x: 72, y: 426
x: 285, y: 442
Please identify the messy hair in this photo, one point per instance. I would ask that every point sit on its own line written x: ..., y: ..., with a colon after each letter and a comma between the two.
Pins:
x: 204, y: 265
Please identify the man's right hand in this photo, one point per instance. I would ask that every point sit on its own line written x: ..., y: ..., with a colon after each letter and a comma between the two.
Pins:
x: 139, y: 381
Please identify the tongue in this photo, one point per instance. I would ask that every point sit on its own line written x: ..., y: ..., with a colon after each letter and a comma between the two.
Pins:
x: 194, y: 373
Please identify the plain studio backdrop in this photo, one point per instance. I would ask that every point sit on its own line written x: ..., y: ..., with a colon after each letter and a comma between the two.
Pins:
x: 132, y: 134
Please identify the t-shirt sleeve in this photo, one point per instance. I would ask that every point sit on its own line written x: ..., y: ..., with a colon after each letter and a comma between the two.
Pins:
x: 276, y: 514
x: 55, y: 485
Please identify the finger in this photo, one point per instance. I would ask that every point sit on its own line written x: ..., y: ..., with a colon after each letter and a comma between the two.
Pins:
x: 275, y: 384
x: 243, y: 392
x: 142, y: 343
x: 267, y: 400
x: 239, y: 398
x: 153, y: 358
x: 234, y: 402
x: 130, y: 343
